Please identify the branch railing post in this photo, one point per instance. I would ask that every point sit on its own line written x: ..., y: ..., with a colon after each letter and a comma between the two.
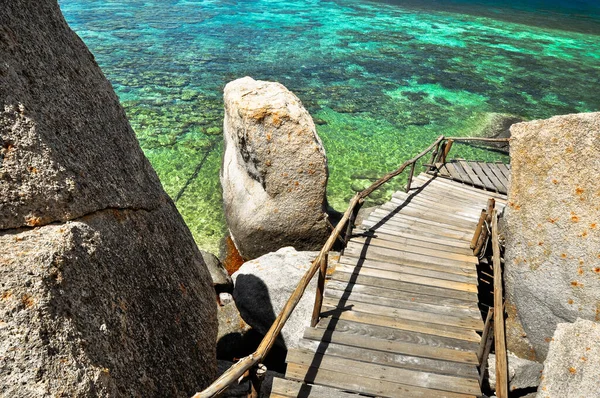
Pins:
x: 499, y: 333
x: 243, y: 367
x: 410, y: 176
x: 320, y: 290
x: 447, y: 148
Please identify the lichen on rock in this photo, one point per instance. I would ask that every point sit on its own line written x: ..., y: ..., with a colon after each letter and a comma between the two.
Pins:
x: 274, y: 173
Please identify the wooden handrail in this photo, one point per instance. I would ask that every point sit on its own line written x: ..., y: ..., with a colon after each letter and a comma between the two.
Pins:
x: 499, y: 334
x: 240, y: 368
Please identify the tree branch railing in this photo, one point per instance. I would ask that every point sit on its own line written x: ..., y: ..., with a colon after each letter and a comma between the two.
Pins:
x: 247, y: 366
x: 493, y: 331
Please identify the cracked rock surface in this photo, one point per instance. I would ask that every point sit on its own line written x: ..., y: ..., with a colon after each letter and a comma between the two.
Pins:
x: 274, y: 172
x: 103, y: 292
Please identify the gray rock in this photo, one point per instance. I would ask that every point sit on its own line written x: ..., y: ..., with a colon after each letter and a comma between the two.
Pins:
x: 103, y: 291
x: 274, y: 172
x: 263, y: 286
x: 522, y: 373
x: 230, y: 320
x: 66, y: 148
x: 552, y: 225
x: 113, y: 304
x: 572, y: 367
x: 221, y: 279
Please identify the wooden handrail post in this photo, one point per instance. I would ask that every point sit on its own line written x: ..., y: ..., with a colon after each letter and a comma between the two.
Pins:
x: 434, y: 154
x: 257, y: 375
x: 485, y: 233
x: 482, y: 218
x: 320, y: 289
x: 410, y: 176
x: 499, y: 334
x: 447, y: 148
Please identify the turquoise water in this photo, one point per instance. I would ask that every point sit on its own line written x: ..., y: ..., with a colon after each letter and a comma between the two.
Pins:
x: 381, y: 79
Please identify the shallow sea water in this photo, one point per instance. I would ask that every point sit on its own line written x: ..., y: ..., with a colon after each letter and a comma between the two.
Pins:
x: 382, y: 79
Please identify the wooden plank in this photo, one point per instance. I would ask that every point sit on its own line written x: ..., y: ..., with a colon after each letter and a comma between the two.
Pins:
x: 437, y: 308
x: 333, y: 304
x: 494, y: 169
x: 454, y: 174
x: 409, y: 238
x: 468, y: 371
x: 398, y: 341
x: 384, y: 373
x: 383, y: 253
x: 416, y: 228
x: 450, y: 212
x: 293, y: 389
x: 435, y: 198
x: 356, y: 254
x: 454, y: 304
x: 405, y: 324
x: 442, y: 170
x: 408, y: 278
x: 403, y: 286
x: 499, y: 335
x: 364, y: 385
x: 441, y: 209
x: 487, y: 183
x: 430, y: 272
x: 472, y: 174
x: 421, y: 217
x: 505, y: 170
x: 466, y: 177
x: 447, y: 184
x: 456, y: 197
x: 430, y: 249
x: 472, y: 192
x: 490, y: 174
x: 501, y: 177
x: 390, y: 212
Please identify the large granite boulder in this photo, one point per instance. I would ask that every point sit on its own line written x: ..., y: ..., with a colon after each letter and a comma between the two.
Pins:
x: 572, y: 367
x: 103, y: 291
x: 274, y: 172
x: 553, y: 225
x: 263, y: 286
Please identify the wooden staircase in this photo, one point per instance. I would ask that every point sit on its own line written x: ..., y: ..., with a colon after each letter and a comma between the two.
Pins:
x: 400, y: 315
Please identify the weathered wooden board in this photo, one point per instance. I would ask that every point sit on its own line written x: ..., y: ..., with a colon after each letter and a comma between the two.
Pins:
x: 408, y: 278
x: 417, y: 229
x: 399, y: 295
x: 405, y: 324
x: 355, y: 295
x: 356, y: 248
x: 391, y: 359
x: 451, y: 222
x: 385, y: 373
x: 432, y: 271
x: 334, y: 304
x: 294, y: 389
x: 393, y: 340
x: 412, y: 238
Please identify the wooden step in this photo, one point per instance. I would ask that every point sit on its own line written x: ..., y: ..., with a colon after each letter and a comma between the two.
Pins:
x: 415, y: 296
x: 399, y: 341
x: 456, y: 321
x: 283, y: 388
x: 391, y: 359
x: 432, y: 271
x: 388, y: 381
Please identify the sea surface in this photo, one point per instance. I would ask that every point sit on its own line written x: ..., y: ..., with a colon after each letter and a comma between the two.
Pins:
x: 382, y: 79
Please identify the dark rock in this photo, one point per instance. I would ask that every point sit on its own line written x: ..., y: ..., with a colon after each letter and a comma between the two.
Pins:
x: 104, y: 292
